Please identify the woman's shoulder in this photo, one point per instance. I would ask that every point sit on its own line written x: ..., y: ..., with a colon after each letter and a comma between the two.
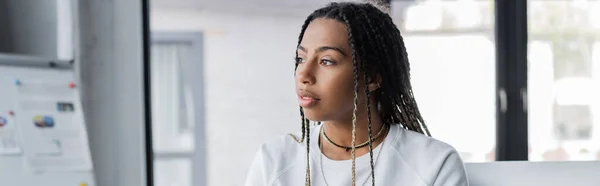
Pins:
x: 282, y: 148
x: 428, y: 157
x: 275, y: 155
x: 418, y: 143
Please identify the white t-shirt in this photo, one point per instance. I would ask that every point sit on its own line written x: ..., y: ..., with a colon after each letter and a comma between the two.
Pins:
x: 405, y: 158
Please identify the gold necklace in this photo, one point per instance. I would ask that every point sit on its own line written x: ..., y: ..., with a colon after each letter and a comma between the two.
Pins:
x: 358, y: 146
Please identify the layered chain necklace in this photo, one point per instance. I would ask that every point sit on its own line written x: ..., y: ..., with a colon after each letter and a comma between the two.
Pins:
x: 376, y: 158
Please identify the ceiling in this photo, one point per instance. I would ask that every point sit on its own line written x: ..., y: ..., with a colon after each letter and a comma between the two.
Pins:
x: 264, y: 7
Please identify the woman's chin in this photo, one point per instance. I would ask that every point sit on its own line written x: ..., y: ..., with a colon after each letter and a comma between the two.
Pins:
x: 313, y: 116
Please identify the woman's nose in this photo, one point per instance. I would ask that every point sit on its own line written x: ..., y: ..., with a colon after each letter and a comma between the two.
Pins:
x: 305, y: 74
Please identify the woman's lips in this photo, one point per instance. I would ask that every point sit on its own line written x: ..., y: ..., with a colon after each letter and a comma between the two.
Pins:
x: 307, y: 99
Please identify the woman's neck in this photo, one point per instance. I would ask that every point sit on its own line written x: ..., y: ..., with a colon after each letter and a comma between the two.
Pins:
x: 340, y: 132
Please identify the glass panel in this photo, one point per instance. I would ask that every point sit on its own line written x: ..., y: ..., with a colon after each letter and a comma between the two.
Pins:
x: 452, y: 54
x: 173, y: 172
x: 37, y: 28
x: 564, y: 80
x: 171, y: 126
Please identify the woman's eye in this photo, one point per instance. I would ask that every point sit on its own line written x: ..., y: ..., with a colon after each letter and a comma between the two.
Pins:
x: 299, y: 60
x: 327, y: 62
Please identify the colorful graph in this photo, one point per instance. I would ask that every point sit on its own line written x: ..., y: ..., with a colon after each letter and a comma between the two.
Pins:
x: 3, y: 121
x: 43, y: 121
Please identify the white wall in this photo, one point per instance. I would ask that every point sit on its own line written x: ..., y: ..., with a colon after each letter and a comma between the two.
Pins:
x: 249, y: 84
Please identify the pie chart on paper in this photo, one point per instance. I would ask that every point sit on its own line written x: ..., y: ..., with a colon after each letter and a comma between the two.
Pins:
x: 43, y: 121
x: 3, y: 121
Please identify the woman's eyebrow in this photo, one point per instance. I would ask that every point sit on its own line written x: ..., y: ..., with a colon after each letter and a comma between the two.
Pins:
x: 324, y: 48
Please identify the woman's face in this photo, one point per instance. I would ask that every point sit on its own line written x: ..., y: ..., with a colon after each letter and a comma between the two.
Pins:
x: 324, y: 76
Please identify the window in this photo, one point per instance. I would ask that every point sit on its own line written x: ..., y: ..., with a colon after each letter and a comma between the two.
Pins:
x: 172, y: 131
x: 564, y: 80
x: 451, y: 49
x: 176, y: 102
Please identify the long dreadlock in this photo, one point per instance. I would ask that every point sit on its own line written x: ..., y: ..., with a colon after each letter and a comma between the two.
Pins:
x: 374, y: 38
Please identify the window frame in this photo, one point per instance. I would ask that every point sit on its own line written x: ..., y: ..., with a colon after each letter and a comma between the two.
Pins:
x: 512, y: 142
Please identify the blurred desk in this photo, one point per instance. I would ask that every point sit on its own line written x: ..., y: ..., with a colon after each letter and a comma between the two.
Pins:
x: 522, y: 173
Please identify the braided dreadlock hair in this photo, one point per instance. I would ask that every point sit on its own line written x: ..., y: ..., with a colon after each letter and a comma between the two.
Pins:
x: 375, y: 39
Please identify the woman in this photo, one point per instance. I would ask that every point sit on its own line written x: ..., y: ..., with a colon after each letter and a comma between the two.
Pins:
x: 352, y: 75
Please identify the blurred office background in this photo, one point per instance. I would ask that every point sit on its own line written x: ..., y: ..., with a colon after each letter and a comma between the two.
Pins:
x: 215, y: 80
x: 247, y: 80
x: 248, y: 89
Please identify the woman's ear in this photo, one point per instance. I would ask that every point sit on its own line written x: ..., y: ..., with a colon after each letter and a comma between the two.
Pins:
x: 374, y: 83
